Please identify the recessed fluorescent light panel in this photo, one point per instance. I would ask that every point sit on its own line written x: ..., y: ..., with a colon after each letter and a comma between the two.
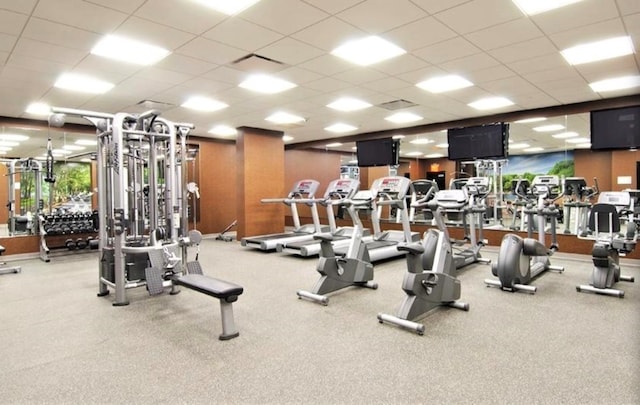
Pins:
x: 128, y: 50
x: 223, y: 130
x: 333, y: 145
x: 491, y: 103
x: 619, y: 83
x: 534, y: 149
x: 205, y: 104
x: 565, y: 135
x: 38, y: 109
x: 413, y: 154
x: 578, y: 140
x: 13, y: 137
x: 519, y: 146
x: 442, y: 145
x: 444, y: 83
x: 533, y: 7
x: 82, y: 84
x: 528, y: 120
x: 266, y: 84
x: 434, y: 155
x: 287, y: 138
x: 398, y: 137
x: 367, y: 51
x: 340, y: 127
x: 284, y: 118
x: 599, y: 50
x: 585, y: 145
x: 421, y: 141
x: 9, y: 143
x: 348, y: 104
x: 228, y: 7
x: 74, y: 147
x: 403, y: 117
x: 549, y: 128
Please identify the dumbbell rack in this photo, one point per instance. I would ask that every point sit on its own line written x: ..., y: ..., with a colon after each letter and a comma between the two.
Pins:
x: 68, y: 233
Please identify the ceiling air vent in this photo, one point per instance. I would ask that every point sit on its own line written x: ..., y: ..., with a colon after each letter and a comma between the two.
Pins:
x: 155, y: 105
x: 256, y: 63
x: 397, y: 104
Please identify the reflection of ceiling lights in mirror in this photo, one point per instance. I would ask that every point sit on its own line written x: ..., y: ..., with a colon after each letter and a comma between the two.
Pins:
x: 519, y: 146
x: 434, y: 155
x: 534, y: 149
x: 87, y: 142
x: 9, y: 143
x: 398, y: 137
x: 421, y: 141
x: 74, y: 147
x: 565, y: 135
x: 13, y: 137
x: 549, y: 128
x: 442, y: 145
x: 578, y: 140
x: 528, y: 120
x: 333, y: 145
x: 415, y: 153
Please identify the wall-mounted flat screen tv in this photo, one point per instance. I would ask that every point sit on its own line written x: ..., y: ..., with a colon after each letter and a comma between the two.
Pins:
x: 479, y: 142
x: 617, y: 128
x: 377, y: 152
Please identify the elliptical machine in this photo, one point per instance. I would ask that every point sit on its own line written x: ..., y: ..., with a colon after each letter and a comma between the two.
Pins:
x: 609, y: 245
x: 430, y: 280
x: 520, y: 260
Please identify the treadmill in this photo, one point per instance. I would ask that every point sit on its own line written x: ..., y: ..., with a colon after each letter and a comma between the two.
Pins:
x: 389, y: 191
x: 303, y: 192
x: 338, y: 194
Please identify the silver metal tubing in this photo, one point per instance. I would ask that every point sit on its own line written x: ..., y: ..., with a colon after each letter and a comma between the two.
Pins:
x: 413, y: 326
x: 627, y: 278
x: 555, y: 268
x: 229, y: 330
x: 82, y: 113
x: 492, y: 283
x: 524, y: 287
x: 107, y: 282
x: 483, y: 260
x: 605, y: 291
x: 322, y: 299
x: 459, y: 305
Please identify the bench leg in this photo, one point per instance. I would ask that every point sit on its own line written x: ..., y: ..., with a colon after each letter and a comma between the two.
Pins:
x: 229, y: 330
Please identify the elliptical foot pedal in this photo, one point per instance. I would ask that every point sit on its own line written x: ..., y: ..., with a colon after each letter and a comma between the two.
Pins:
x: 154, y: 277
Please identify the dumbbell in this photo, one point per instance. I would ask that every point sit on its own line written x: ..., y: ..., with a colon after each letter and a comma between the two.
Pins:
x: 70, y: 244
x: 81, y: 243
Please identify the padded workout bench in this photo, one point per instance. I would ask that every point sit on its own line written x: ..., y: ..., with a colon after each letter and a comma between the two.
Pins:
x: 4, y: 269
x: 226, y: 292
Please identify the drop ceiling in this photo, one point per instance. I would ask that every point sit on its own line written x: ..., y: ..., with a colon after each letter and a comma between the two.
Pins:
x: 490, y: 42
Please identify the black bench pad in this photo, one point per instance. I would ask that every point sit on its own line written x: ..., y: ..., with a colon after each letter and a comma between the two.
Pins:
x: 210, y: 286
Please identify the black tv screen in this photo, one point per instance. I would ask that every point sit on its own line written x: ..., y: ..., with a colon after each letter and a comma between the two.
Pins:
x: 617, y: 128
x: 478, y: 142
x: 377, y: 152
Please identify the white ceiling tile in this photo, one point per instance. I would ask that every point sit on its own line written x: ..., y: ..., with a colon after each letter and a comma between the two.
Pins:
x: 24, y: 78
x: 126, y: 6
x: 328, y: 34
x: 470, y: 63
x: 628, y: 7
x: 206, y: 86
x: 540, y: 63
x: 623, y: 66
x: 576, y: 15
x: 141, y: 86
x: 465, y: 18
x: 327, y: 84
x: 12, y: 23
x: 3, y: 57
x: 22, y: 6
x: 68, y: 99
x: 386, y: 84
x: 420, y: 75
x: 505, y: 34
x: 589, y: 33
x: 298, y: 75
x: 42, y: 67
x: 85, y: 16
x: 333, y: 6
x: 41, y: 50
x: 420, y: 33
x: 276, y: 15
x: 242, y: 34
x: 444, y: 51
x: 290, y: 51
x: 498, y: 72
x: 7, y: 42
x: 185, y: 64
x: 227, y: 75
x: 435, y: 6
x: 327, y: 64
x: 162, y: 75
x: 153, y: 33
x: 106, y: 69
x: 515, y: 85
x: 59, y: 34
x: 524, y: 50
x: 210, y: 51
x: 360, y: 75
x: 401, y: 64
x: 378, y: 16
x: 188, y: 16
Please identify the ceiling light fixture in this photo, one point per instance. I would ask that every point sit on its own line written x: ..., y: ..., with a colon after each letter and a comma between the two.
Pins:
x: 578, y: 140
x: 549, y: 128
x: 491, y: 103
x: 528, y: 120
x: 287, y: 138
x: 74, y: 147
x: 38, y: 109
x: 618, y: 83
x: 443, y: 84
x: 86, y: 142
x: 599, y: 50
x: 223, y: 130
x: 205, y: 104
x: 129, y: 50
x: 416, y: 153
x: 403, y: 117
x: 434, y: 155
x: 442, y: 145
x: 368, y: 50
x: 348, y: 104
x: 9, y: 143
x: 262, y: 83
x: 421, y: 141
x: 13, y: 137
x: 533, y: 7
x: 534, y: 149
x: 398, y: 136
x: 228, y: 7
x: 333, y: 145
x: 82, y: 84
x: 565, y: 135
x: 340, y: 127
x: 284, y: 118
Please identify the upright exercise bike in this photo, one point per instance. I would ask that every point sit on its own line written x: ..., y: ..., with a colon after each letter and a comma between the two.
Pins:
x: 430, y: 280
x: 609, y: 245
x: 520, y: 260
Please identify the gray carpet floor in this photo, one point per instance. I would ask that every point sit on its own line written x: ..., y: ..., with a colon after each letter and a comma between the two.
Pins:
x: 59, y: 343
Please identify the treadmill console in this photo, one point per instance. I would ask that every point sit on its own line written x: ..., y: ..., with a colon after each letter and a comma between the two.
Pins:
x: 451, y: 199
x: 305, y: 188
x: 346, y: 188
x: 549, y: 185
x: 398, y: 187
x: 621, y: 199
